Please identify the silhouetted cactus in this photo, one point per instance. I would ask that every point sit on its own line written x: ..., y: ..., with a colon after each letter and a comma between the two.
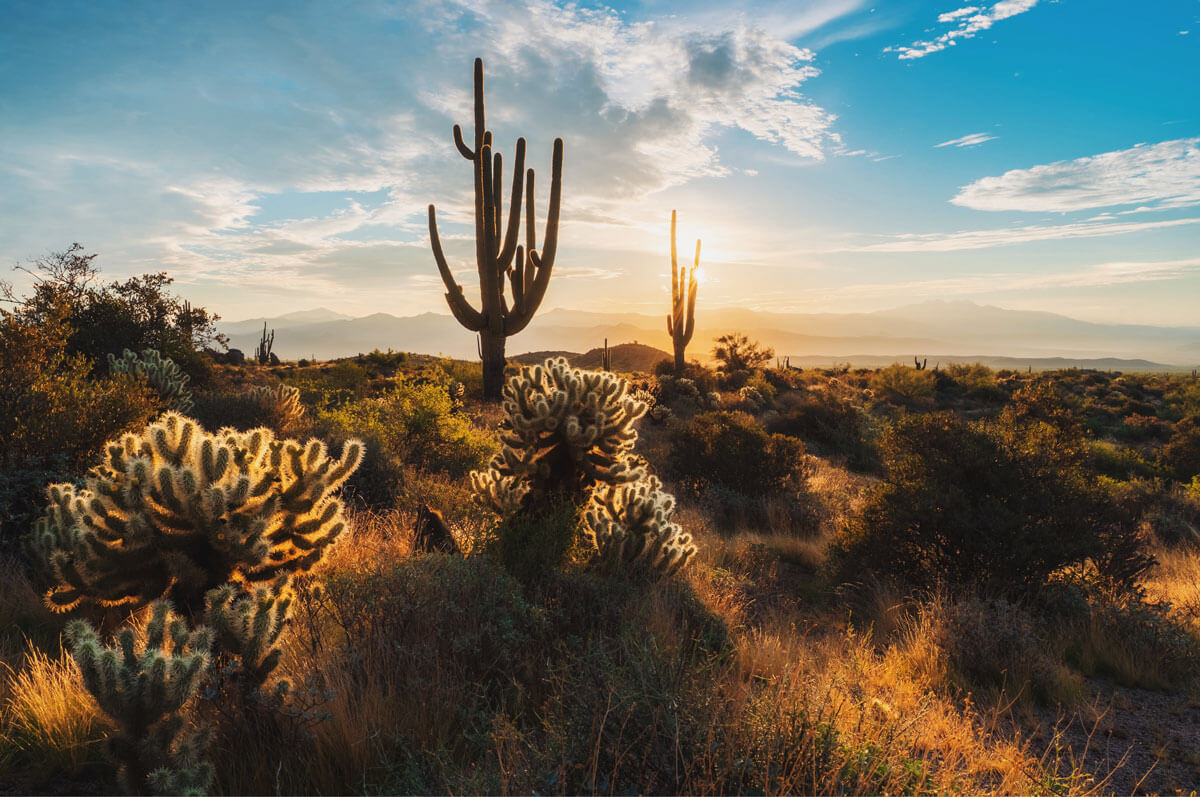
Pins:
x: 161, y: 373
x: 681, y: 321
x: 920, y: 364
x: 144, y: 689
x: 605, y: 360
x: 497, y: 253
x: 631, y: 524
x: 176, y: 511
x: 262, y: 352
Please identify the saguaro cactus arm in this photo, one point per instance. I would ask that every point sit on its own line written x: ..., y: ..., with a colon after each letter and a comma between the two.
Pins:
x: 498, y: 253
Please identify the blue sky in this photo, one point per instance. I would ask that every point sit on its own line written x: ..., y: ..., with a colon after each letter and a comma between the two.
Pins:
x: 834, y: 155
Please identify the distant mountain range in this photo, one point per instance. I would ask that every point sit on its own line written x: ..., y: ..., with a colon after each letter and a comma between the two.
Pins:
x: 942, y: 331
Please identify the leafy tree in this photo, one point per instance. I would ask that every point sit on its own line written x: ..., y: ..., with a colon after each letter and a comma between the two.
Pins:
x: 104, y: 319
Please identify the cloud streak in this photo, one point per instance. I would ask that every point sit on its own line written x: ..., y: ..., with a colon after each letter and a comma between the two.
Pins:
x: 985, y: 239
x: 973, y: 140
x: 1160, y: 176
x: 967, y: 22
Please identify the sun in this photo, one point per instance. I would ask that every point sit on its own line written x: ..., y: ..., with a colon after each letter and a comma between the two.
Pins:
x: 699, y: 274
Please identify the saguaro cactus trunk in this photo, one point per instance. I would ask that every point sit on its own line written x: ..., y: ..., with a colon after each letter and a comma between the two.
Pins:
x: 497, y: 253
x: 681, y: 321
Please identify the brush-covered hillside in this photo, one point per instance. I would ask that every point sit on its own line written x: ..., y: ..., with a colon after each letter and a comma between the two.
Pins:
x: 358, y: 576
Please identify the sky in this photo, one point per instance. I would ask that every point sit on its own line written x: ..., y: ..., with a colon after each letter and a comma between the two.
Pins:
x: 832, y: 155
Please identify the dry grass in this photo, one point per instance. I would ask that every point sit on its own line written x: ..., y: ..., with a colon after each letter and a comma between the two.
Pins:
x: 1176, y: 580
x: 50, y: 726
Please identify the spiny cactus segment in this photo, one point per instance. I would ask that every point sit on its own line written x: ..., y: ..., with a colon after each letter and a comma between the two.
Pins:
x: 161, y: 373
x: 248, y: 625
x: 631, y: 524
x: 569, y: 435
x: 177, y: 511
x: 566, y: 430
x: 143, y: 688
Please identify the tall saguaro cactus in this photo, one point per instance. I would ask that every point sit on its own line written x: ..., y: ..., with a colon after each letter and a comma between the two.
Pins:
x: 497, y: 253
x: 681, y: 321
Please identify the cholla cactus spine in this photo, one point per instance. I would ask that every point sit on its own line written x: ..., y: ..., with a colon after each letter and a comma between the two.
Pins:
x: 161, y: 373
x: 631, y: 524
x: 176, y: 510
x: 144, y: 692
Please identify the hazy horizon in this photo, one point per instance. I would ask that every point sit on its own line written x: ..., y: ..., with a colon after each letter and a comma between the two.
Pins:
x: 833, y: 156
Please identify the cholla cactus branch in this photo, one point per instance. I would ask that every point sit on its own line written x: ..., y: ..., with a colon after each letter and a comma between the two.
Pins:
x: 144, y: 689
x: 248, y: 626
x: 177, y: 511
x: 631, y: 524
x: 161, y: 373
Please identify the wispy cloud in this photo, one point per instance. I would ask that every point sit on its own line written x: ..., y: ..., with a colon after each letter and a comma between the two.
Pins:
x: 983, y: 239
x: 967, y: 22
x: 1165, y: 175
x: 1101, y: 275
x: 967, y: 141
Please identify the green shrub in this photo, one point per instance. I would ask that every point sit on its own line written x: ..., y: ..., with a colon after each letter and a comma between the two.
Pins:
x: 410, y: 426
x: 275, y: 407
x: 731, y: 449
x: 833, y: 426
x: 997, y: 507
x: 1182, y: 451
x: 903, y: 384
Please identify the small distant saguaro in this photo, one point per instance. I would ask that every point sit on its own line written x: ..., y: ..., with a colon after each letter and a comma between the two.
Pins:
x: 497, y: 253
x: 681, y: 321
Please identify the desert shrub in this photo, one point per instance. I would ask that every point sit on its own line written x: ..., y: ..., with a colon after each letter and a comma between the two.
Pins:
x: 54, y: 417
x: 903, y: 384
x: 1121, y: 462
x: 275, y: 407
x: 833, y: 426
x: 731, y: 449
x: 998, y: 645
x: 976, y: 381
x: 136, y: 314
x: 410, y: 426
x: 1182, y: 451
x: 997, y: 507
x: 737, y: 352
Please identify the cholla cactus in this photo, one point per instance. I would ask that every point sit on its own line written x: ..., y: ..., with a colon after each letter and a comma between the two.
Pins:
x: 281, y: 403
x: 752, y: 398
x: 161, y: 373
x: 248, y: 626
x: 144, y: 689
x: 631, y: 524
x: 174, y: 510
x: 567, y: 430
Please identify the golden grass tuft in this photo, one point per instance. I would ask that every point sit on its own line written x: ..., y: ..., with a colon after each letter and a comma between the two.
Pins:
x: 50, y: 724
